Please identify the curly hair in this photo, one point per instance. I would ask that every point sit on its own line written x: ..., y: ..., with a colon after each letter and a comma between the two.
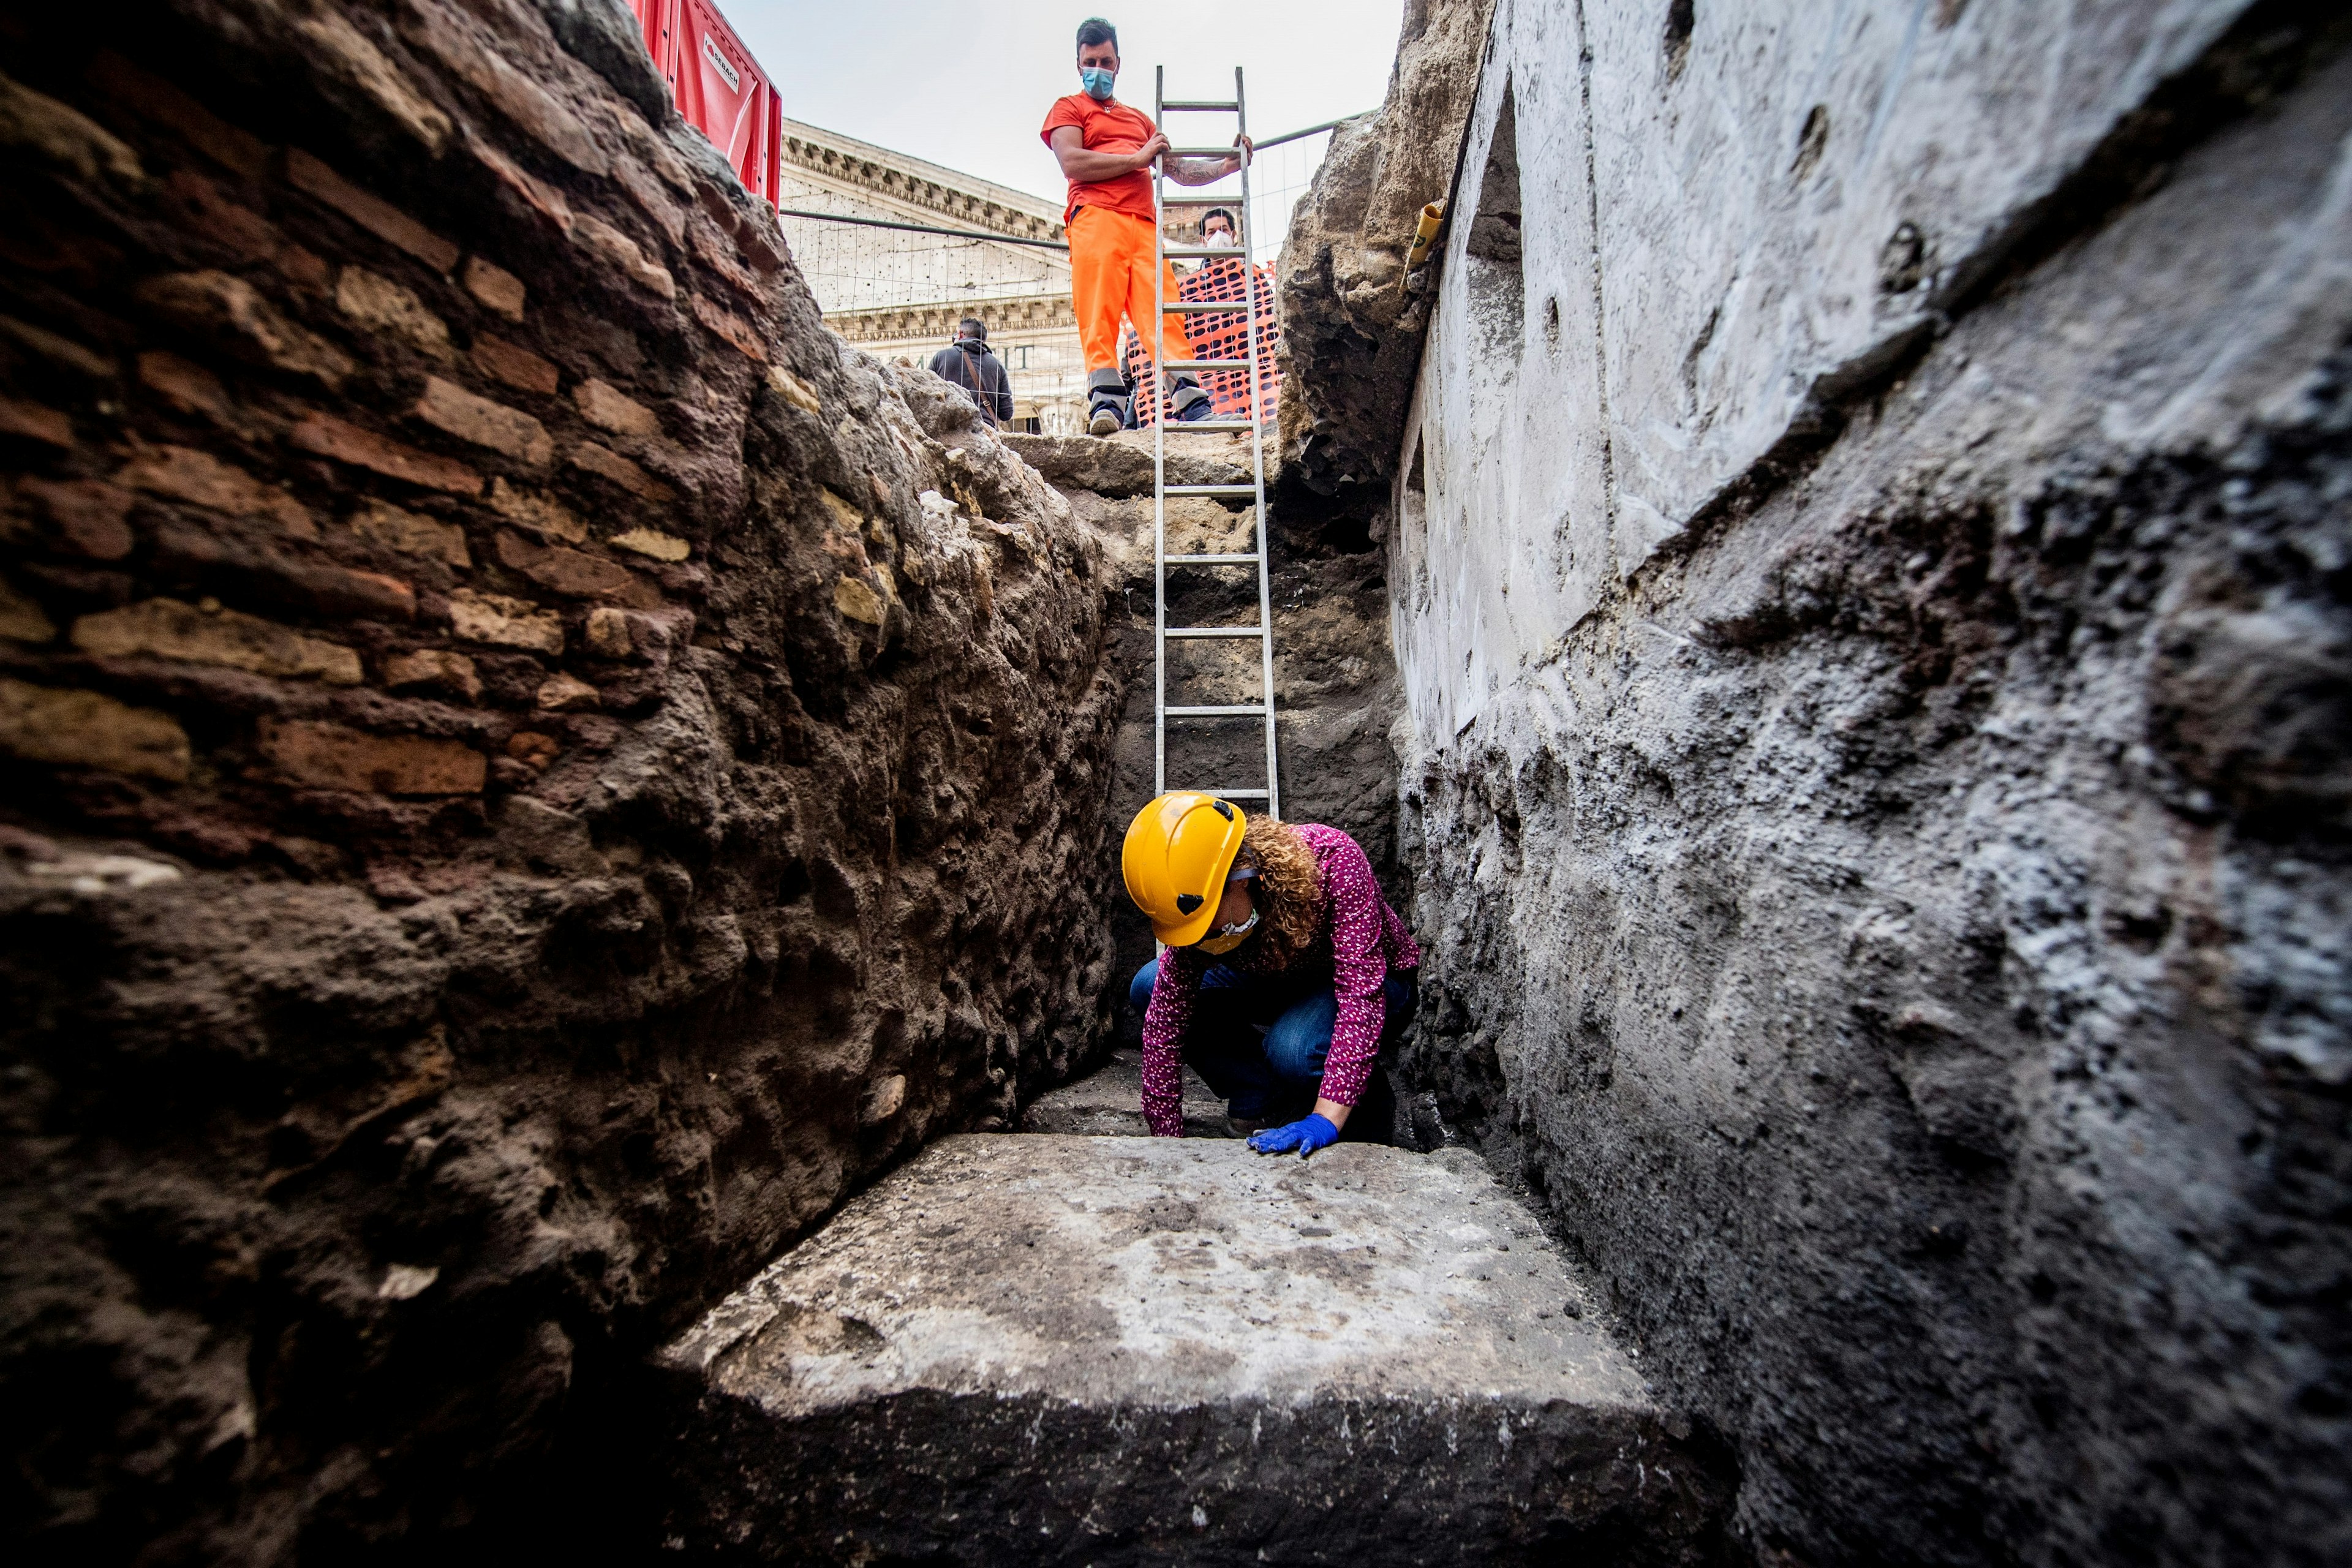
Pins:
x: 1290, y: 896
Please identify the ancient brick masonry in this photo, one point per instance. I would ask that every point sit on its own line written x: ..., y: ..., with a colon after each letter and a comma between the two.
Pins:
x: 527, y: 769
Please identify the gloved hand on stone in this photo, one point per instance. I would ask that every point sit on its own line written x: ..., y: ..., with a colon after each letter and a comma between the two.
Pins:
x: 1305, y: 1136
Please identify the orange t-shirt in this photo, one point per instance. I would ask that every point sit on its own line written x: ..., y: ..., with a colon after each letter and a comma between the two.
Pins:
x: 1111, y: 127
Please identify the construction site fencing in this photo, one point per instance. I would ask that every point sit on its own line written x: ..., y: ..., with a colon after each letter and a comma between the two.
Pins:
x: 901, y: 291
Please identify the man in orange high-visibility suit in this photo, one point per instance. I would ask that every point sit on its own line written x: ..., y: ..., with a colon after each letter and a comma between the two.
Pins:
x: 1105, y: 148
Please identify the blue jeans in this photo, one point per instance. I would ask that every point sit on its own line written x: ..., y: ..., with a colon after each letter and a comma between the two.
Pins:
x: 1259, y: 1041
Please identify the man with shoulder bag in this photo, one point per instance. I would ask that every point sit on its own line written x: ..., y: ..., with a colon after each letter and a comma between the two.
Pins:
x: 970, y: 364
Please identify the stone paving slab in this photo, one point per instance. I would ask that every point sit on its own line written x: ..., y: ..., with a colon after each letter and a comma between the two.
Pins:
x: 1110, y: 1103
x: 1106, y: 1350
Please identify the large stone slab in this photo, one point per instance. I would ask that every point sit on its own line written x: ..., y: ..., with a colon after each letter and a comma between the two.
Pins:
x: 1121, y: 465
x: 1110, y: 1351
x: 1109, y: 1104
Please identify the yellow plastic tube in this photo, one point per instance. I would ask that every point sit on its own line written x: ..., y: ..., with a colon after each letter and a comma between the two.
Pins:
x: 1432, y: 217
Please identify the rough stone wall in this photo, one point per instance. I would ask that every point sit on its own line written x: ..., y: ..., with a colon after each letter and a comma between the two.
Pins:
x: 1351, y: 328
x: 1869, y: 594
x: 1336, y: 698
x: 529, y: 769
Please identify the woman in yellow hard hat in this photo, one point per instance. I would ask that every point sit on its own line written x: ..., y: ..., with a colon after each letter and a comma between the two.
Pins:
x: 1282, y: 968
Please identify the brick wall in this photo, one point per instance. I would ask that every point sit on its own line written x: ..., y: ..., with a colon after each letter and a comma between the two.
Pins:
x: 527, y: 769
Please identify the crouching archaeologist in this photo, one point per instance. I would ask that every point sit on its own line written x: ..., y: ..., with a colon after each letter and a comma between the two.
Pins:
x: 1104, y: 148
x: 1281, y: 973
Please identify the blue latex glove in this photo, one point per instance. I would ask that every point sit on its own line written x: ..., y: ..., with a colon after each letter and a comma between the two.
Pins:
x: 1314, y: 1132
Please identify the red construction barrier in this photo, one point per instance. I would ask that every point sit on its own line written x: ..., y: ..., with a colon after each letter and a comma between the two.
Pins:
x: 719, y: 88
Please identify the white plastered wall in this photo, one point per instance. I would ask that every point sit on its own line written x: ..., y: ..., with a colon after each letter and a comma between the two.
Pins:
x: 1714, y: 271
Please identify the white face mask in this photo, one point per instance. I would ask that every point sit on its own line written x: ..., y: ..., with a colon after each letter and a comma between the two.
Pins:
x: 1219, y: 240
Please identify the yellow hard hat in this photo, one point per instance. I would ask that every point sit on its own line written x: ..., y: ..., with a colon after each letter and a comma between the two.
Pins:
x: 1177, y: 853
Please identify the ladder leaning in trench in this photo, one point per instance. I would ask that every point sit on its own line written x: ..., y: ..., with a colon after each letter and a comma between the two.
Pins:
x: 1255, y: 424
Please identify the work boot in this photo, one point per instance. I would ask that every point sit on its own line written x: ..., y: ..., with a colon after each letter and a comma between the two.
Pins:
x: 1106, y: 403
x: 1191, y: 401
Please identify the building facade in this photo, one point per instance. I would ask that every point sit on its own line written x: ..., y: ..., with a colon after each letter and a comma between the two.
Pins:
x: 898, y: 293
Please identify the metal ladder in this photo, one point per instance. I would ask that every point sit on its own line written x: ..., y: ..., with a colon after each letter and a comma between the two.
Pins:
x: 1162, y: 106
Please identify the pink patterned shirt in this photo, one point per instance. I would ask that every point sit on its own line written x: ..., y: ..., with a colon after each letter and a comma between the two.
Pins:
x: 1359, y: 943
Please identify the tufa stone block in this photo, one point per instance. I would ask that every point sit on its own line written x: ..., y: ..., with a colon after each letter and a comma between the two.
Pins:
x: 167, y: 628
x: 394, y: 528
x: 859, y: 601
x: 345, y: 52
x: 333, y: 756
x: 381, y: 305
x: 39, y: 129
x: 450, y: 408
x: 653, y: 543
x: 602, y: 240
x: 795, y: 391
x: 534, y: 750
x: 562, y: 693
x: 608, y: 634
x: 509, y: 623
x: 451, y: 672
x: 606, y: 407
x: 496, y: 286
x: 84, y: 728
x: 540, y: 514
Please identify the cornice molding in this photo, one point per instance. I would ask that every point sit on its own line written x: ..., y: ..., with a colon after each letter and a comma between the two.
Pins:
x: 914, y: 190
x: 1037, y: 312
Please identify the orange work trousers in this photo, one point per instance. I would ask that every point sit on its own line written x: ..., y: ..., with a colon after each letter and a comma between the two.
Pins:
x: 1110, y: 276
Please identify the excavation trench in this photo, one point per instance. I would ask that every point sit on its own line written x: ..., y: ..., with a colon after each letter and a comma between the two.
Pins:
x: 558, y: 824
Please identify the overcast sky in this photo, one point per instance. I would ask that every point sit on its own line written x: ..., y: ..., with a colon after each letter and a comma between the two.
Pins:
x: 967, y: 83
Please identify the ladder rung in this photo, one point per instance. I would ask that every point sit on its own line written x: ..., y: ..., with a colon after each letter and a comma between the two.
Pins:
x: 1203, y: 307
x: 1198, y: 201
x: 1206, y: 365
x: 1234, y: 490
x: 1246, y: 560
x: 1198, y: 106
x: 1210, y: 426
x: 1240, y: 794
x: 1213, y: 631
x: 1236, y: 710
x: 1203, y: 152
x: 1203, y: 252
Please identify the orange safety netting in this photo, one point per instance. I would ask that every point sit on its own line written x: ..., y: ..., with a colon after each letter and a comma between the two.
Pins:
x: 1219, y: 335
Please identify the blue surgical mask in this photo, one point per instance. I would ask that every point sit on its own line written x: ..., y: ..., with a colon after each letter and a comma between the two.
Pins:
x: 1097, y: 81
